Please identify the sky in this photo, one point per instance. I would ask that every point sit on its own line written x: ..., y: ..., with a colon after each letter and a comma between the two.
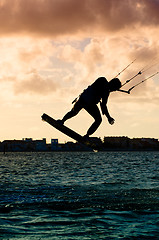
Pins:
x: 53, y: 49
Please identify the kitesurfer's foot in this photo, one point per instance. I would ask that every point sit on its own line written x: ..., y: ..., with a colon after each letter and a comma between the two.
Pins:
x: 60, y: 122
x: 86, y: 137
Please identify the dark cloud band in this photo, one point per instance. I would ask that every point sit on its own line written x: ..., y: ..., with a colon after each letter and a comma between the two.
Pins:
x: 59, y: 17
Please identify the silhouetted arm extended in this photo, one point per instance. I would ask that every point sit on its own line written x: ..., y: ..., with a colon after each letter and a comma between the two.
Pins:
x: 105, y: 111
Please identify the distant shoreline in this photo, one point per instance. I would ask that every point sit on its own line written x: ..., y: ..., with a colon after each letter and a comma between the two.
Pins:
x: 108, y: 144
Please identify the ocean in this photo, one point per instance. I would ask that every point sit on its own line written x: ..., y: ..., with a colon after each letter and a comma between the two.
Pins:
x: 79, y: 195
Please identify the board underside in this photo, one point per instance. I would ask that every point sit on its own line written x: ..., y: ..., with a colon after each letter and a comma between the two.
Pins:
x: 69, y: 132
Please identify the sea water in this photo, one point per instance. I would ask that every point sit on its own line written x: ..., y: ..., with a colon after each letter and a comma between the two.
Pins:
x: 79, y: 195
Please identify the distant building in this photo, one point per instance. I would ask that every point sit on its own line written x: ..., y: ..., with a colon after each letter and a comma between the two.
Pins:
x: 17, y: 146
x: 109, y: 143
x: 150, y: 143
x: 54, y: 144
x: 40, y: 145
x: 116, y: 143
x: 27, y: 139
x: 26, y: 144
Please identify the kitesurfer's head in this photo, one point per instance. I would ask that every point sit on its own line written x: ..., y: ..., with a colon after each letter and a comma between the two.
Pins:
x: 114, y: 84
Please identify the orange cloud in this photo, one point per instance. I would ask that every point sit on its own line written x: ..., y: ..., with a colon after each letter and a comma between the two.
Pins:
x: 35, y: 84
x: 58, y: 17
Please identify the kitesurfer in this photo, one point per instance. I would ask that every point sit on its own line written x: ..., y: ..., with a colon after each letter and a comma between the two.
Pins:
x: 97, y: 92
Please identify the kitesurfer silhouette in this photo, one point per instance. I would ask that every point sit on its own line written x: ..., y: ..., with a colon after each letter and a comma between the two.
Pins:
x: 97, y: 92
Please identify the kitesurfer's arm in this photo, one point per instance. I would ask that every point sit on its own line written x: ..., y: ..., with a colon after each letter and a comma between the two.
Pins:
x: 105, y: 112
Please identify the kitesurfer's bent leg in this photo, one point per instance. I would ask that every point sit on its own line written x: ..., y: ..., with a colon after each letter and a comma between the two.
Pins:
x: 74, y: 111
x: 95, y: 113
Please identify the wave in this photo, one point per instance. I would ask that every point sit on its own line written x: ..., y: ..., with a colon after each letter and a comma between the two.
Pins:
x: 134, y: 199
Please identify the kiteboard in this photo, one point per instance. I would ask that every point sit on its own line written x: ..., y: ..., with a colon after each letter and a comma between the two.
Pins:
x: 69, y: 132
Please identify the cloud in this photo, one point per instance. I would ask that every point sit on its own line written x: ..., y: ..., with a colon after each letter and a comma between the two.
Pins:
x: 65, y: 61
x: 53, y: 49
x: 108, y: 56
x: 59, y: 17
x: 41, y: 66
x: 35, y: 84
x: 26, y: 67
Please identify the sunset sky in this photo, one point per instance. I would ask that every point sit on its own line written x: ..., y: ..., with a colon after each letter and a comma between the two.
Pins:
x: 53, y: 49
